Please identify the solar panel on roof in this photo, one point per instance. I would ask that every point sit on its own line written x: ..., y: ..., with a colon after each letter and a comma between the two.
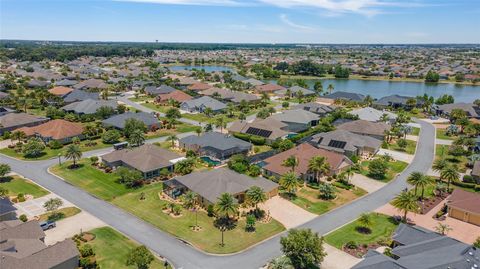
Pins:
x: 258, y: 132
x: 337, y: 144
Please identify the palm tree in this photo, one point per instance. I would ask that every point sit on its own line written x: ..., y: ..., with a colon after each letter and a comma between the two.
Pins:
x: 368, y: 100
x: 289, y: 182
x: 406, y: 202
x: 18, y: 135
x: 208, y: 111
x: 319, y: 166
x: 365, y: 220
x: 221, y: 123
x: 414, y: 179
x: 450, y: 173
x: 198, y: 130
x: 190, y: 200
x: 425, y: 182
x: 73, y: 153
x: 442, y: 228
x: 136, y: 138
x: 291, y: 162
x: 256, y: 195
x: 226, y: 205
x: 172, y: 138
x: 330, y: 88
x: 439, y: 165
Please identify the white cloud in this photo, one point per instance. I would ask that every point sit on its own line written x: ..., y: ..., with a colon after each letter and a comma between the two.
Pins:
x: 190, y: 2
x: 288, y: 22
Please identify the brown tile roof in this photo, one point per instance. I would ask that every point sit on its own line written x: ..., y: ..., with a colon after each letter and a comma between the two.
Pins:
x: 464, y: 200
x: 365, y: 127
x: 199, y: 86
x: 176, y: 95
x: 269, y: 88
x: 304, y: 152
x: 55, y: 129
x: 60, y: 90
x: 144, y: 158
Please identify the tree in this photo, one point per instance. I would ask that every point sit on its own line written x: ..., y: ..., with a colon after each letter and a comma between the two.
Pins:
x: 285, y: 144
x: 104, y: 112
x: 419, y: 180
x: 327, y: 191
x: 406, y: 202
x: 33, y: 148
x: 303, y: 247
x: 439, y: 165
x: 450, y: 173
x: 172, y: 138
x: 289, y: 182
x: 73, y: 153
x: 226, y: 205
x: 318, y: 87
x: 3, y: 192
x: 53, y: 204
x: 365, y: 220
x: 172, y: 115
x: 443, y: 228
x: 208, y: 111
x: 221, y: 123
x: 319, y: 166
x: 18, y: 135
x: 377, y: 168
x: 184, y: 167
x: 129, y: 177
x: 477, y: 242
x: 402, y: 143
x: 140, y: 257
x: 136, y: 138
x: 432, y: 76
x: 111, y: 136
x: 132, y: 125
x: 255, y: 195
x: 263, y: 113
x: 291, y: 162
x: 4, y: 169
x: 330, y: 88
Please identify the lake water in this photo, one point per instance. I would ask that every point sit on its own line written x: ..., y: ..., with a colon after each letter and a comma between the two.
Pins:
x: 379, y: 88
x: 207, y: 68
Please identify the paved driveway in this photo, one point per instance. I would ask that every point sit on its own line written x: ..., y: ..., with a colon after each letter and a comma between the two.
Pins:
x: 366, y: 183
x: 287, y: 213
x: 68, y: 227
x: 399, y: 156
x: 34, y: 207
x: 337, y: 259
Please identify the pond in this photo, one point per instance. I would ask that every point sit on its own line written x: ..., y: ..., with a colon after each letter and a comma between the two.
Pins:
x: 207, y: 68
x: 381, y: 88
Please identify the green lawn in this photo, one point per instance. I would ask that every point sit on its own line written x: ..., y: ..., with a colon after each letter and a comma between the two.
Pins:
x: 441, y: 134
x: 441, y: 151
x: 394, y: 167
x: 63, y: 212
x: 409, y: 149
x: 382, y: 228
x: 49, y: 153
x: 208, y: 239
x: 91, y: 179
x: 307, y: 198
x: 262, y: 148
x: 415, y: 131
x: 112, y: 248
x: 16, y: 185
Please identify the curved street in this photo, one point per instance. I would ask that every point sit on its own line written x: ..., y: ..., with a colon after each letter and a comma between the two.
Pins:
x: 184, y: 256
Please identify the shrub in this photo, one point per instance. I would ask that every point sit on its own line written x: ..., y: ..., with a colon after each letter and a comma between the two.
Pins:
x: 86, y: 250
x: 327, y: 191
x: 250, y: 223
x: 111, y: 136
x: 23, y: 218
x: 210, y: 211
x: 342, y: 185
x: 468, y: 179
x: 464, y: 184
x: 20, y: 197
x: 88, y: 263
x: 55, y: 144
x: 351, y: 245
x: 94, y: 159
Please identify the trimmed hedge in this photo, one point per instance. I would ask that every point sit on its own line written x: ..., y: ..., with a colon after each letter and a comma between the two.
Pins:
x: 474, y: 186
x: 256, y: 140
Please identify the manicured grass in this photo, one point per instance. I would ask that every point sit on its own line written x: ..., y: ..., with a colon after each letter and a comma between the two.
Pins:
x: 442, y: 134
x: 308, y: 199
x: 16, y: 185
x: 394, y: 167
x: 112, y: 248
x: 141, y: 99
x: 262, y: 148
x: 415, y: 131
x: 382, y: 227
x: 441, y: 151
x: 409, y: 149
x: 49, y: 153
x: 63, y: 213
x: 209, y: 238
x: 91, y: 179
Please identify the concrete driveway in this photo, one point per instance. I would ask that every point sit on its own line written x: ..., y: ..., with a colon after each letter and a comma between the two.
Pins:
x: 287, y: 213
x: 366, y: 183
x: 443, y: 142
x: 32, y: 208
x: 68, y: 227
x: 337, y: 259
x: 399, y: 156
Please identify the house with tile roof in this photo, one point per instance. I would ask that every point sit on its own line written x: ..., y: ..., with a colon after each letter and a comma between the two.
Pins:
x: 216, y: 145
x: 118, y: 121
x: 60, y: 90
x: 364, y: 127
x: 347, y: 143
x: 176, y: 95
x: 201, y: 103
x: 13, y: 121
x: 59, y: 130
x: 464, y: 206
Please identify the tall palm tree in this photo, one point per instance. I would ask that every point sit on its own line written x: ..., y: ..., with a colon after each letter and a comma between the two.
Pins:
x: 450, y: 173
x: 136, y: 138
x: 226, y: 205
x: 289, y: 182
x: 319, y: 166
x: 291, y: 162
x: 406, y: 202
x: 172, y: 138
x: 198, y: 130
x: 365, y: 220
x: 73, y: 153
x: 439, y: 165
x: 425, y: 182
x: 414, y: 179
x: 190, y: 200
x: 256, y: 195
x: 221, y: 123
x: 330, y: 88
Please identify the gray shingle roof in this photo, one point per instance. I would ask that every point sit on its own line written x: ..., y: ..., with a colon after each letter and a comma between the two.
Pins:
x: 118, y: 121
x: 152, y: 90
x: 296, y: 116
x: 80, y: 95
x: 372, y: 114
x: 89, y: 106
x: 205, y: 101
x: 216, y: 140
x: 315, y: 108
x: 352, y: 140
x: 346, y: 95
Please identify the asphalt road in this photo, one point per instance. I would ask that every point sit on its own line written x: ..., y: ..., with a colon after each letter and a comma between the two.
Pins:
x: 185, y: 256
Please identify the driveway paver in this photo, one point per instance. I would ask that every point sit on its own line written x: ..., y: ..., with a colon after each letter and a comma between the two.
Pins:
x: 366, y: 183
x: 68, y: 227
x: 287, y: 213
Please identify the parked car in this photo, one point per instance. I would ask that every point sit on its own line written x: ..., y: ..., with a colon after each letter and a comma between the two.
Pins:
x: 46, y: 225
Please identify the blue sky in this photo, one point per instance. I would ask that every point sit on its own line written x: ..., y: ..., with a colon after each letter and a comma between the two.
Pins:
x: 249, y: 21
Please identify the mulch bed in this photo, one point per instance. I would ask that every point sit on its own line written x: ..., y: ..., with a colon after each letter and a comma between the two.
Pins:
x: 361, y: 250
x: 430, y: 203
x: 88, y: 237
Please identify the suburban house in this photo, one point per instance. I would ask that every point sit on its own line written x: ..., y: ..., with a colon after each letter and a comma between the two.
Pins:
x: 419, y: 248
x: 80, y: 95
x: 273, y: 166
x: 269, y: 128
x: 216, y: 145
x: 465, y: 206
x: 348, y: 96
x: 476, y: 171
x: 347, y: 143
x: 268, y: 88
x: 199, y: 86
x: 372, y: 114
x: 118, y: 121
x: 163, y: 89
x: 253, y: 82
x: 472, y: 110
x: 231, y: 96
x: 22, y: 246
x: 297, y: 120
x: 91, y: 84
x: 89, y: 106
x: 60, y: 91
x: 395, y: 101
x: 200, y: 104
x: 148, y: 159
x: 176, y: 95
x: 7, y: 210
x: 295, y: 91
x: 364, y: 127
x: 60, y: 130
x: 210, y: 184
x: 319, y: 109
x: 13, y: 121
